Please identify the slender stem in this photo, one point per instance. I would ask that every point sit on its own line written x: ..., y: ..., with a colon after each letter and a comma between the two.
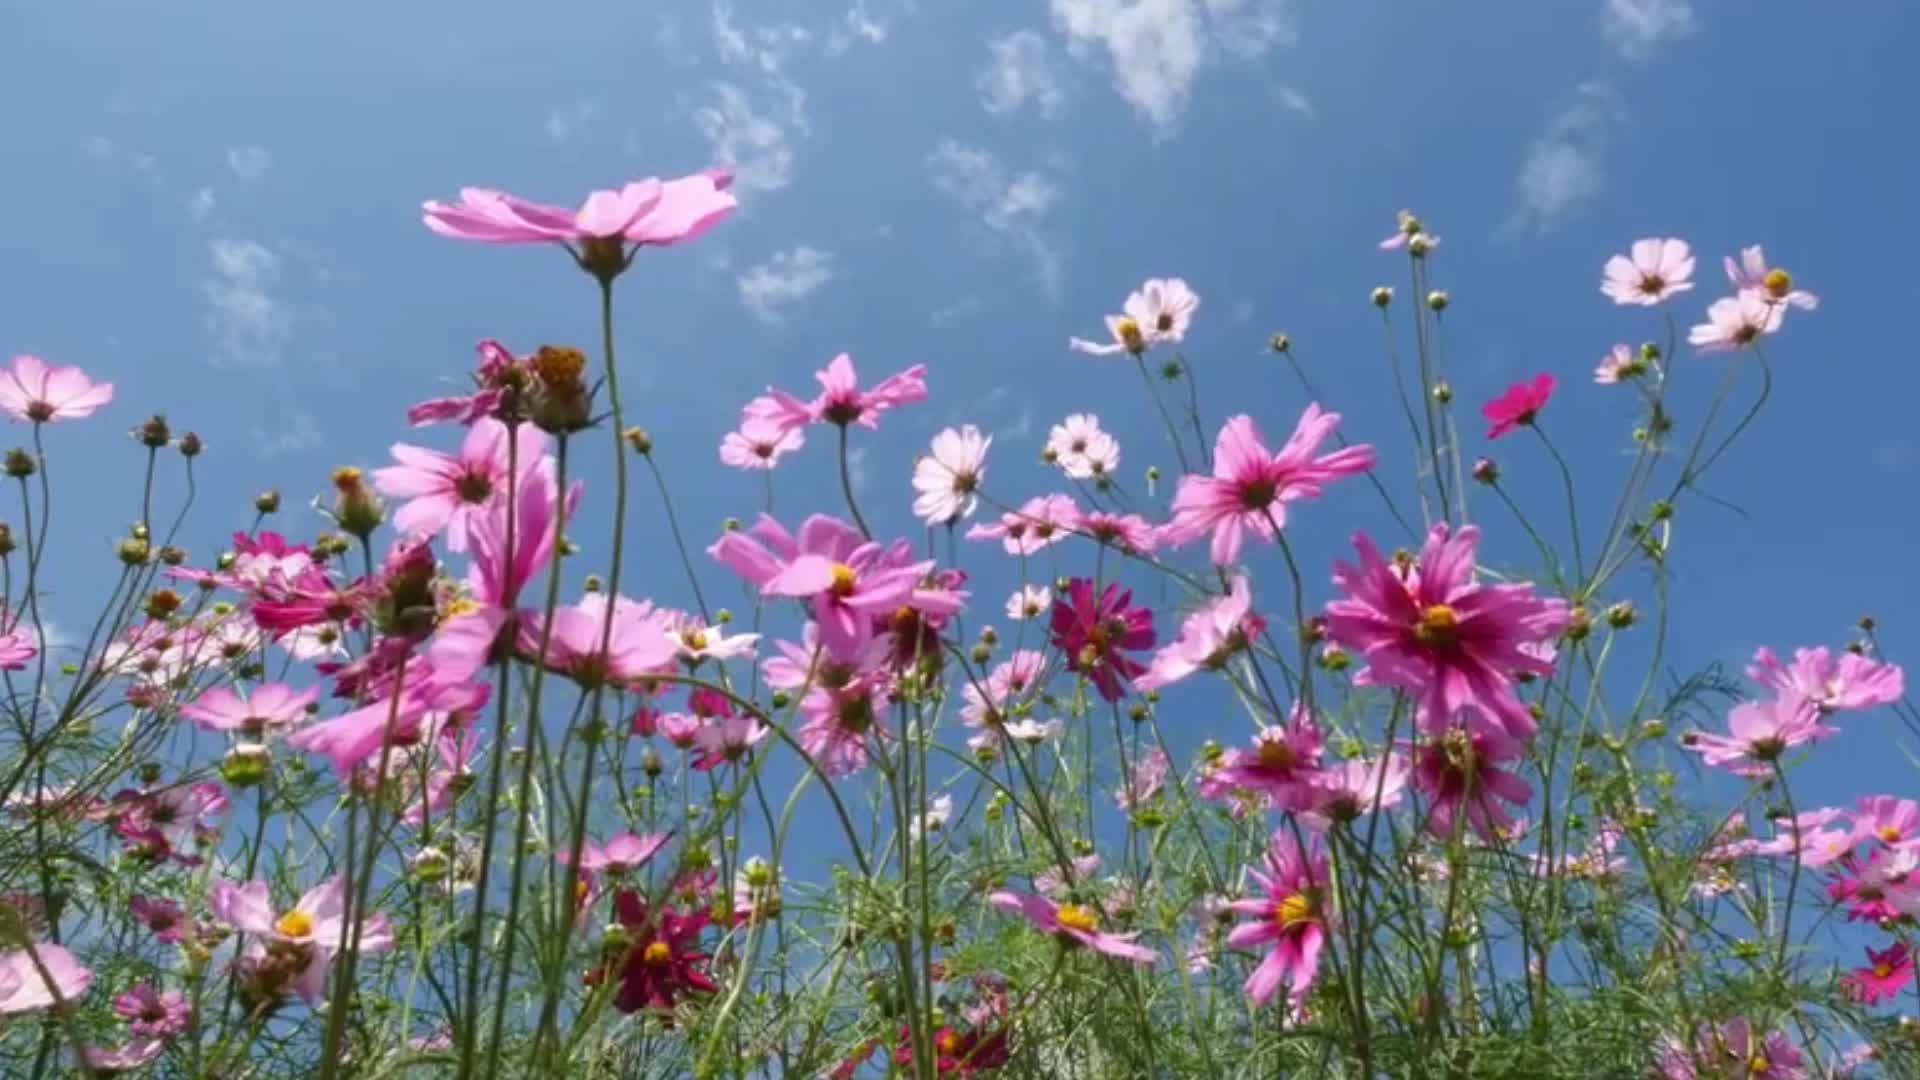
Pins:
x: 846, y: 486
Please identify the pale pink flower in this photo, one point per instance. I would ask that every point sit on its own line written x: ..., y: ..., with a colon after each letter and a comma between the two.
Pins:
x: 1623, y: 362
x: 643, y: 212
x: 1654, y: 270
x: 842, y: 402
x: 696, y: 641
x: 32, y: 390
x: 1735, y: 322
x: 1126, y: 334
x: 839, y: 724
x: 1758, y: 733
x: 1887, y: 820
x: 1251, y: 485
x: 1350, y: 789
x: 989, y: 705
x: 269, y: 707
x: 17, y: 648
x: 1292, y: 917
x: 642, y: 643
x: 1128, y: 532
x: 1751, y: 274
x: 948, y: 476
x: 1057, y: 881
x: 1144, y: 780
x: 724, y: 739
x: 1850, y: 681
x: 448, y: 491
x: 1208, y: 638
x: 310, y: 931
x: 1074, y: 923
x: 1282, y: 767
x: 622, y: 852
x: 1040, y: 521
x: 1164, y: 308
x: 1029, y: 601
x: 1081, y: 449
x: 23, y: 987
x: 113, y: 1060
x: 759, y: 444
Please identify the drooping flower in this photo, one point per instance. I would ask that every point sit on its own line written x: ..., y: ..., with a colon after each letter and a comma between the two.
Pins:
x: 1463, y: 768
x: 1751, y: 274
x: 1428, y: 628
x: 1126, y: 334
x: 1887, y: 972
x: 445, y: 492
x: 1292, y: 917
x: 1833, y: 684
x: 1654, y: 270
x: 1208, y: 638
x: 267, y: 708
x: 302, y: 941
x: 494, y: 393
x: 841, y: 401
x: 25, y: 988
x: 948, y: 477
x: 1251, y: 485
x: 661, y: 962
x: 130, y: 1058
x: 1075, y: 923
x: 1040, y: 521
x: 152, y: 1013
x: 1735, y: 322
x: 1518, y: 406
x: 1096, y: 634
x: 1758, y: 732
x: 33, y: 390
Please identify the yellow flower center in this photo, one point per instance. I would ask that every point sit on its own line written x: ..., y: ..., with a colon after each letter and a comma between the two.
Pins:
x: 1778, y: 283
x: 1882, y: 969
x: 1075, y: 917
x: 1889, y: 834
x: 1276, y: 754
x: 1758, y: 1064
x: 559, y: 366
x: 656, y: 954
x: 1438, y: 626
x: 295, y: 924
x: 948, y: 1042
x: 1297, y: 908
x: 1130, y: 335
x: 844, y: 580
x: 694, y: 639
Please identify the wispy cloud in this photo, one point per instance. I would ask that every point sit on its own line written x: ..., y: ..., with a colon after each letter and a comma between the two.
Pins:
x: 755, y: 145
x: 962, y: 308
x: 249, y: 163
x: 249, y: 324
x: 1012, y: 206
x: 200, y: 204
x: 1563, y: 169
x: 858, y: 474
x: 1296, y: 100
x: 857, y: 25
x: 1157, y: 48
x: 1019, y: 70
x: 297, y: 433
x: 785, y: 278
x: 1637, y: 28
x: 564, y: 123
x: 106, y: 150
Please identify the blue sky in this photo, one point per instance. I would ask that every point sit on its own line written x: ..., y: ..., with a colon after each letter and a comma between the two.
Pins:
x: 216, y: 206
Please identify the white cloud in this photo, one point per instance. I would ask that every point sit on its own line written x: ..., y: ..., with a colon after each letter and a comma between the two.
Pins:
x: 249, y: 163
x: 962, y: 308
x: 766, y: 50
x: 1019, y: 70
x: 563, y: 124
x: 786, y: 277
x: 296, y: 434
x: 107, y: 151
x: 1563, y: 169
x: 1296, y: 100
x: 1157, y: 48
x: 249, y: 324
x: 857, y: 472
x: 857, y: 25
x: 1639, y: 27
x: 1011, y: 206
x: 200, y: 206
x: 753, y: 144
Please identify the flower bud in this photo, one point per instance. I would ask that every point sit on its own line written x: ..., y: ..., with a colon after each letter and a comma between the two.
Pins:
x: 1280, y: 343
x: 154, y: 433
x: 268, y: 501
x: 1485, y: 471
x: 1653, y: 728
x: 161, y: 603
x: 561, y: 403
x: 1866, y: 622
x: 356, y: 508
x: 172, y: 554
x: 20, y: 464
x: 1382, y: 296
x: 1438, y: 300
x: 246, y: 765
x: 190, y: 445
x: 1661, y: 510
x: 428, y: 865
x: 6, y: 539
x: 1418, y: 245
x: 651, y: 764
x: 1443, y: 392
x: 592, y: 584
x: 132, y: 550
x: 1649, y: 352
x: 638, y: 438
x: 1580, y: 623
x: 982, y: 652
x: 1622, y: 615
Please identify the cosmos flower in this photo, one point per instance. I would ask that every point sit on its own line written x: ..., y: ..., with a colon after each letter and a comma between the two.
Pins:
x: 1291, y: 916
x: 32, y: 390
x: 1758, y: 732
x: 1752, y: 275
x: 1074, y: 923
x: 268, y: 707
x: 445, y: 492
x: 760, y: 443
x: 841, y: 401
x: 644, y: 212
x: 948, y: 476
x: 621, y: 853
x: 1096, y: 634
x: 306, y: 936
x: 1029, y: 601
x: 1208, y: 638
x: 1735, y: 322
x: 1518, y: 406
x: 23, y: 986
x: 1654, y: 270
x: 1465, y: 769
x: 1251, y: 485
x: 1081, y: 449
x: 1887, y: 972
x: 1040, y: 521
x: 1850, y: 681
x: 661, y: 962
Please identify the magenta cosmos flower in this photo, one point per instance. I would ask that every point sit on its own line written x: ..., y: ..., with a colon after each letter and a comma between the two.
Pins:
x: 1096, y: 633
x: 1654, y: 270
x: 23, y: 988
x: 1735, y: 1050
x: 842, y: 402
x: 1292, y: 917
x: 1251, y: 485
x: 1849, y: 682
x: 1040, y: 521
x: 1518, y: 406
x: 644, y: 212
x: 1460, y: 768
x: 1887, y: 972
x: 496, y: 574
x: 269, y: 707
x: 1735, y: 322
x: 662, y: 962
x: 948, y: 476
x: 1752, y: 274
x: 152, y: 1013
x: 307, y: 935
x: 1758, y: 732
x: 1428, y: 628
x: 447, y: 491
x: 1281, y: 768
x: 1073, y: 922
x: 32, y: 390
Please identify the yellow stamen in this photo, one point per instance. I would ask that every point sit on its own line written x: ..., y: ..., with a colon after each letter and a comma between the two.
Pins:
x: 1075, y: 917
x: 1889, y: 834
x: 295, y: 924
x: 559, y: 366
x: 948, y: 1042
x: 1882, y: 969
x: 1438, y: 626
x: 1778, y: 283
x: 844, y: 580
x: 656, y: 954
x: 694, y: 639
x: 1294, y: 910
x: 1130, y: 335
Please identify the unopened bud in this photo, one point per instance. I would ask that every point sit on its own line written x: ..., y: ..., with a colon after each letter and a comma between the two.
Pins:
x: 428, y: 865
x: 20, y: 464
x: 1280, y: 343
x: 246, y: 765
x: 1866, y: 622
x: 592, y: 584
x: 638, y: 438
x: 1438, y: 300
x: 154, y: 433
x: 1485, y: 471
x: 268, y: 501
x: 162, y: 603
x: 173, y: 554
x: 1382, y: 296
x: 190, y: 445
x: 132, y: 551
x: 1622, y: 615
x: 1580, y: 624
x: 1443, y: 391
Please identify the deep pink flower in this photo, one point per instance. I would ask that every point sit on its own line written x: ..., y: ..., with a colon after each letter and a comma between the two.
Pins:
x: 1655, y: 270
x: 24, y: 989
x: 171, y: 821
x: 948, y: 476
x: 1751, y: 274
x: 661, y: 962
x: 153, y: 1014
x: 1518, y: 406
x: 1095, y: 635
x: 1282, y: 767
x: 1128, y: 532
x: 842, y: 402
x: 1074, y: 923
x: 404, y: 719
x: 1758, y: 733
x: 163, y: 917
x: 491, y: 391
x: 1849, y: 682
x: 1292, y: 917
x: 621, y: 853
x: 1460, y: 769
x: 307, y: 935
x: 1250, y: 485
x: 1208, y: 638
x: 1428, y: 628
x: 1040, y: 521
x: 1735, y: 322
x: 447, y: 491
x: 496, y: 576
x: 850, y: 582
x: 269, y: 707
x: 1887, y: 972
x: 32, y: 390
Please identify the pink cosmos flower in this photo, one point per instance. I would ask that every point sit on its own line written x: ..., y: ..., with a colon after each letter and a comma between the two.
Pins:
x: 1028, y: 601
x: 23, y: 987
x: 1095, y: 635
x: 1735, y: 322
x: 988, y: 706
x: 1040, y: 521
x: 1128, y: 532
x: 1734, y: 1050
x: 643, y: 641
x: 621, y: 853
x: 1250, y: 485
x: 1208, y: 638
x: 840, y: 722
x: 165, y: 918
x: 269, y: 707
x: 1144, y: 780
x: 948, y: 476
x: 1081, y: 449
x: 422, y: 705
x: 759, y: 444
x: 17, y: 649
x: 695, y: 641
x: 447, y: 491
x: 32, y: 390
x: 496, y: 575
x: 113, y: 1060
x: 849, y: 581
x: 491, y: 391
x: 1428, y: 628
x: 307, y: 935
x: 171, y: 821
x: 1518, y: 406
x: 1758, y: 733
x: 1351, y: 789
x: 1292, y: 916
x: 1887, y: 972
x: 643, y: 212
x: 153, y: 1014
x: 1654, y: 270
x: 1460, y: 768
x: 1849, y: 682
x: 1623, y: 362
x: 1073, y: 922
x: 1886, y: 820
x: 729, y: 739
x: 1751, y: 274
x: 842, y: 402
x: 1282, y: 767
